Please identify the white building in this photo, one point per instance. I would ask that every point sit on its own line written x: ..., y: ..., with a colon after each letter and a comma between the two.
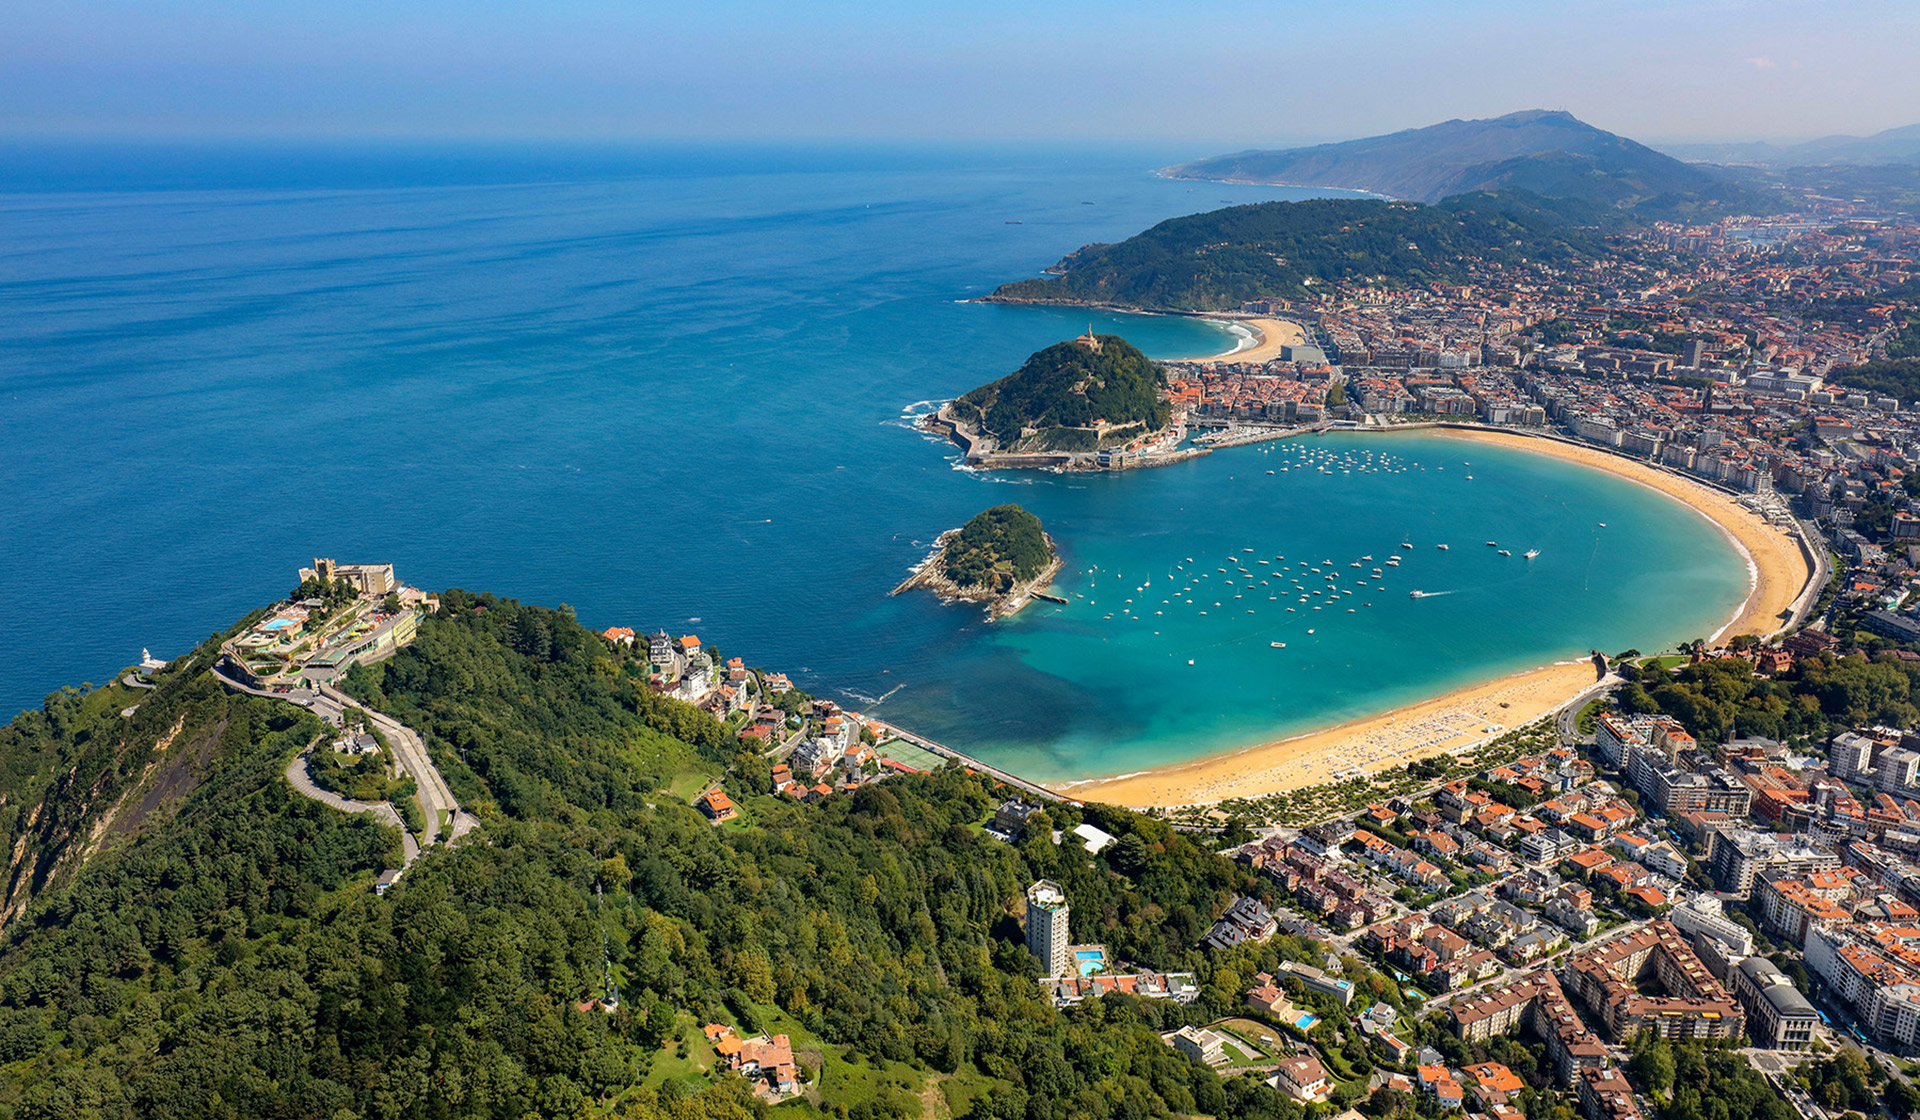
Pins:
x: 1200, y: 1044
x: 1048, y: 918
x: 1702, y: 914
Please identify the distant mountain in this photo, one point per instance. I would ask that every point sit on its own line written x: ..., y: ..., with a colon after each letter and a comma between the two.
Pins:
x: 1895, y: 145
x: 1547, y: 153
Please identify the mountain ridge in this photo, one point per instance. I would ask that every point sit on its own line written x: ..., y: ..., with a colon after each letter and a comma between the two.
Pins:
x: 1892, y: 145
x: 1546, y: 152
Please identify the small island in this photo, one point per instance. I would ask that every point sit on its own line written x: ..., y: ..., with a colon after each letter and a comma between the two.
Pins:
x: 1094, y: 403
x: 1002, y: 557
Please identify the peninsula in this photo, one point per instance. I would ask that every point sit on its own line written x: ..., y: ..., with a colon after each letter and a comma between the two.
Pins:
x: 1095, y: 402
x: 1001, y: 557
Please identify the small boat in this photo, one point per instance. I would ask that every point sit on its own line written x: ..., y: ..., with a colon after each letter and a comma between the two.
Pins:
x: 1417, y: 594
x: 1408, y: 545
x: 1505, y: 552
x: 1309, y: 631
x: 1278, y: 645
x: 1441, y: 547
x: 1366, y: 558
x: 1531, y: 553
x: 1492, y: 544
x: 1189, y: 660
x: 1269, y: 472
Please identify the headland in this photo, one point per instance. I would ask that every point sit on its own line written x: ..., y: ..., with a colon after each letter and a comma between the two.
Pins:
x: 1779, y: 571
x: 1094, y: 403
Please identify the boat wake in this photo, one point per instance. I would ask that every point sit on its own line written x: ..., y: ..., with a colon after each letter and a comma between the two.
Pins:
x: 870, y: 701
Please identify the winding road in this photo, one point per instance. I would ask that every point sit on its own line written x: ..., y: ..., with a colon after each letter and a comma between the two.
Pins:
x: 445, y: 819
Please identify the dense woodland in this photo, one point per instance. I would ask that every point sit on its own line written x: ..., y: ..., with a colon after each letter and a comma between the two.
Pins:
x: 226, y: 956
x: 1068, y: 386
x: 996, y: 549
x: 1217, y: 260
x: 1819, y: 695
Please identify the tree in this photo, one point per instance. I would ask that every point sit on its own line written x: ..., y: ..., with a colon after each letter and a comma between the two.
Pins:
x: 1652, y: 1064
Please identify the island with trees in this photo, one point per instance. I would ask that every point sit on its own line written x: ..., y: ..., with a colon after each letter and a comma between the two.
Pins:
x: 1001, y: 557
x: 1095, y: 402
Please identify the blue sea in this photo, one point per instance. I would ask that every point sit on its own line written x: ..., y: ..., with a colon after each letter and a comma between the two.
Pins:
x: 672, y: 387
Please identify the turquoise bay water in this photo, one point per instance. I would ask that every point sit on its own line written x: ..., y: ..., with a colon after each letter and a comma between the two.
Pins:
x: 669, y: 388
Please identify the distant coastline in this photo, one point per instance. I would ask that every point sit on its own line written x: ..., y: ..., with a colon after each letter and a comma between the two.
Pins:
x: 1780, y: 573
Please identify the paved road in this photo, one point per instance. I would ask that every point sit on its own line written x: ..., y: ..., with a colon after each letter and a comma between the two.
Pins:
x: 1568, y: 720
x: 436, y: 799
x: 410, y: 754
x: 302, y: 780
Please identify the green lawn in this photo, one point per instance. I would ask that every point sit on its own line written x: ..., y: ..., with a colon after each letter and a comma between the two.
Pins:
x: 1261, y: 1037
x: 838, y: 1078
x: 694, y: 780
x: 670, y: 1064
x: 1589, y: 716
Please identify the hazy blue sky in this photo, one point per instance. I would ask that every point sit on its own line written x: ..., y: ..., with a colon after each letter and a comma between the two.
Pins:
x: 1227, y: 73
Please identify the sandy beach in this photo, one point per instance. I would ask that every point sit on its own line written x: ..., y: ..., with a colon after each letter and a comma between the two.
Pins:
x: 1467, y: 716
x: 1274, y: 333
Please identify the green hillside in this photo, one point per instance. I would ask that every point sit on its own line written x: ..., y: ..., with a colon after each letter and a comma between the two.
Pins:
x: 224, y: 954
x: 1071, y: 397
x: 996, y: 549
x: 1217, y: 260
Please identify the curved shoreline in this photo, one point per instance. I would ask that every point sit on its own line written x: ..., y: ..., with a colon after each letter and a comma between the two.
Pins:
x: 1463, y: 717
x: 1270, y: 335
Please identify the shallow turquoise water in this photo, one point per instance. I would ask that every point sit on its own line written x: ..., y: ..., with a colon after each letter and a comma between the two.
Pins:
x: 668, y: 387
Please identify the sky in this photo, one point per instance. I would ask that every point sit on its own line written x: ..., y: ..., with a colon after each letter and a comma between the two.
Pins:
x: 1229, y: 73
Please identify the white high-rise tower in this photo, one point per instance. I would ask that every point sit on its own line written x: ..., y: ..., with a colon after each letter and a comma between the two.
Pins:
x: 1047, y: 927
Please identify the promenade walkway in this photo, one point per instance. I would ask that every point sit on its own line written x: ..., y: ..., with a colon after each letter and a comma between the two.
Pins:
x: 968, y: 760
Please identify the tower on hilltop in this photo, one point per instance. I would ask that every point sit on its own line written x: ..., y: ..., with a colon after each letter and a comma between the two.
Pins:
x: 1047, y: 922
x: 1089, y: 340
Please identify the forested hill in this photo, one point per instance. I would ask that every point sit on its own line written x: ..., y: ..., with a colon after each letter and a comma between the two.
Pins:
x: 996, y: 549
x: 1071, y: 397
x: 1217, y: 260
x: 231, y: 959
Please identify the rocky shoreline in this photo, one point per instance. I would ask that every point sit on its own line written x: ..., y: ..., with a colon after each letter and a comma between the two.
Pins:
x: 931, y: 574
x: 978, y: 451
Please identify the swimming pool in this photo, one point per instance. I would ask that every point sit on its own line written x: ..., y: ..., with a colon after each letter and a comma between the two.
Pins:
x: 1090, y: 961
x: 1306, y: 1021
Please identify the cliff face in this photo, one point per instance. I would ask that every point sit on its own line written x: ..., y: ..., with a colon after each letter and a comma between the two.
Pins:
x: 93, y: 768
